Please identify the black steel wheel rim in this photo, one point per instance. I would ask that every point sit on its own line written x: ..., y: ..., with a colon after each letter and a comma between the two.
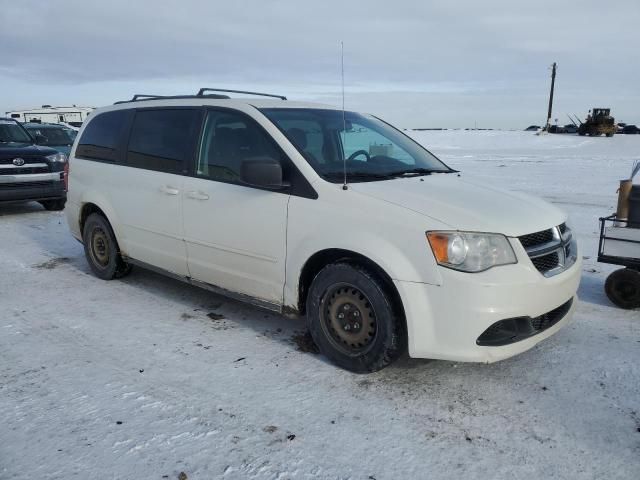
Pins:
x: 348, y: 319
x: 99, y: 247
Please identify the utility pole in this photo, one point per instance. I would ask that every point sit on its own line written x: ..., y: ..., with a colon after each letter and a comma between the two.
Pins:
x: 553, y: 82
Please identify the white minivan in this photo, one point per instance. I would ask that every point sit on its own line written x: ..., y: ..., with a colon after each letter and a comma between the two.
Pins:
x: 334, y: 215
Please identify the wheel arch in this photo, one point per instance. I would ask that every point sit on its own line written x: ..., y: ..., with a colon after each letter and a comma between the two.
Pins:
x: 322, y: 258
x: 90, y: 207
x: 86, y: 210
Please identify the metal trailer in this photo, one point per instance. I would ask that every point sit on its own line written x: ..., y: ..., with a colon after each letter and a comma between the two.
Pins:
x: 620, y: 245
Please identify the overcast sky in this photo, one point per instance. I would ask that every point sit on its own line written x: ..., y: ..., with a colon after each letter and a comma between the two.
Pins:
x: 416, y: 63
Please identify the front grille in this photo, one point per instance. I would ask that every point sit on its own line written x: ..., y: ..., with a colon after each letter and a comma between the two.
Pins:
x: 549, y: 319
x: 537, y: 238
x: 8, y: 159
x: 551, y: 251
x: 12, y: 186
x: 25, y: 169
x: 546, y: 262
x: 513, y: 330
x: 31, y: 165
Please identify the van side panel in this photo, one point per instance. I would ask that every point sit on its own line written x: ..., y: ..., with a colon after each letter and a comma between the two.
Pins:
x: 344, y: 219
x: 91, y: 182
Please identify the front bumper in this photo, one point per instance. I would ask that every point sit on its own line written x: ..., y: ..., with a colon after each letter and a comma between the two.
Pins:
x: 43, y: 186
x: 445, y: 321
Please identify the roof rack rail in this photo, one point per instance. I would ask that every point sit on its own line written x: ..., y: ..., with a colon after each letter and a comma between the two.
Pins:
x: 141, y: 97
x: 202, y: 94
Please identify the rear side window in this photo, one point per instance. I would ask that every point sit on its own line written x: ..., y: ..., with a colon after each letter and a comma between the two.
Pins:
x: 100, y: 138
x: 162, y: 139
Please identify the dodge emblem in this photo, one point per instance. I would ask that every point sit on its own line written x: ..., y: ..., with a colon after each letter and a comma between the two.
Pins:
x: 18, y: 162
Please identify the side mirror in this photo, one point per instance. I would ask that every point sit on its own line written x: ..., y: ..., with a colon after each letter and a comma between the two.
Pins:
x: 264, y: 172
x: 40, y: 140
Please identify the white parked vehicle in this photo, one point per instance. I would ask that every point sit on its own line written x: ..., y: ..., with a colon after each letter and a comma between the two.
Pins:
x: 72, y: 116
x: 248, y: 198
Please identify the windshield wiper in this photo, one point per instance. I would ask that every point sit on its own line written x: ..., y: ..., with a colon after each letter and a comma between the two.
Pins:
x: 418, y: 172
x: 356, y: 175
x: 360, y: 175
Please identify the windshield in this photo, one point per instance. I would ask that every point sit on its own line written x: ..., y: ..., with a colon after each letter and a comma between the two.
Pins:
x: 11, y: 132
x: 53, y: 136
x: 370, y: 148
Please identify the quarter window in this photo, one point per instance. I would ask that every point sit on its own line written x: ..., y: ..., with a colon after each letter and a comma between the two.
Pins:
x: 228, y: 140
x: 101, y: 136
x: 161, y: 139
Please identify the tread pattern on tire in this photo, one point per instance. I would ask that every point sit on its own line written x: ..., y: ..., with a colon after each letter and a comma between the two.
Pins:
x: 613, y: 282
x: 117, y: 267
x: 387, y: 348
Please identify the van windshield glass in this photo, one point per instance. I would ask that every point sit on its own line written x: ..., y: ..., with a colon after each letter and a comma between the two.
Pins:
x: 371, y: 149
x: 11, y: 132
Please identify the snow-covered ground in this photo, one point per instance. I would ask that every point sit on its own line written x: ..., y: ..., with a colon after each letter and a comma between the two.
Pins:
x: 146, y: 377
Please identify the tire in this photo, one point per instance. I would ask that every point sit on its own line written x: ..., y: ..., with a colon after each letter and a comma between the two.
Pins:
x: 623, y: 288
x: 54, y: 205
x: 340, y: 295
x: 101, y: 249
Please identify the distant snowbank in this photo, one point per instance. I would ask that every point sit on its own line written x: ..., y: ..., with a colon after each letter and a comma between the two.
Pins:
x: 619, y: 145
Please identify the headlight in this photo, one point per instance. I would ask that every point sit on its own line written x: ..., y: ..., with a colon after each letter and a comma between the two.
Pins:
x: 471, y: 252
x: 570, y: 243
x: 57, y: 158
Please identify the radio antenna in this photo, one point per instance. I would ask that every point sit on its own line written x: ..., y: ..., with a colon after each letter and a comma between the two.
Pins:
x: 344, y: 122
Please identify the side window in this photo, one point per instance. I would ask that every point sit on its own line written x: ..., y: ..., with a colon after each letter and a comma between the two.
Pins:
x: 162, y: 139
x: 308, y: 137
x: 101, y: 136
x: 228, y: 140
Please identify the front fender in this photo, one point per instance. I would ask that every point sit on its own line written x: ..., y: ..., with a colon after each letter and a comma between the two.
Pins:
x: 390, y: 236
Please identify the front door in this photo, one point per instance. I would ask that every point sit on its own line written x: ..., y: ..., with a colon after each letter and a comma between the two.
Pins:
x: 235, y: 234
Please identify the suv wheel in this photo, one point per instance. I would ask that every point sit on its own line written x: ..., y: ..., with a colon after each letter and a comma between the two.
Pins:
x: 101, y: 249
x: 54, y: 205
x: 353, y: 320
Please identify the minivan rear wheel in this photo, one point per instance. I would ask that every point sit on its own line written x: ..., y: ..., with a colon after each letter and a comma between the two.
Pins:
x: 101, y: 249
x: 353, y: 320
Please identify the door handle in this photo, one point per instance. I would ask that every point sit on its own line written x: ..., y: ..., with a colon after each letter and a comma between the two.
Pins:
x: 169, y: 190
x: 197, y: 195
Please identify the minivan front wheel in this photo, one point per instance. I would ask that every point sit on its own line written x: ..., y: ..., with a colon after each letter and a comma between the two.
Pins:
x: 101, y: 249
x: 353, y: 320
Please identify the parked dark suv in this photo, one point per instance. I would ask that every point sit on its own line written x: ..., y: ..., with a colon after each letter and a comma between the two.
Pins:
x: 29, y: 171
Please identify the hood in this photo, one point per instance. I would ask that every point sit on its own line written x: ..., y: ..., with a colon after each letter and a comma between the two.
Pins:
x: 11, y: 150
x: 465, y: 205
